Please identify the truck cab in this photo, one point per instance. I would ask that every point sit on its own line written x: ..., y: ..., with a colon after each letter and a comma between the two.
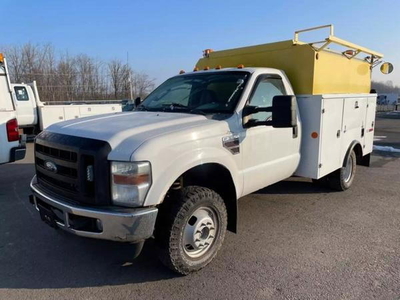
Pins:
x: 12, y: 145
x: 26, y: 105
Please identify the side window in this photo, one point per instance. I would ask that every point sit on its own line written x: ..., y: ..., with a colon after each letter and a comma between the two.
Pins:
x: 265, y: 91
x: 21, y: 93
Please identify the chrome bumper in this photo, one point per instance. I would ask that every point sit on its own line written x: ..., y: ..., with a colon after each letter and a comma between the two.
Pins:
x: 115, y: 224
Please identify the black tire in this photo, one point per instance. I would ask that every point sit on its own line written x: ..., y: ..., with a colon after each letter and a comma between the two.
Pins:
x: 175, y: 217
x: 338, y: 181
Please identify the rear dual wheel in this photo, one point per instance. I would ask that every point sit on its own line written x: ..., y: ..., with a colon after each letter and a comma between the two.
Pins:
x: 342, y: 178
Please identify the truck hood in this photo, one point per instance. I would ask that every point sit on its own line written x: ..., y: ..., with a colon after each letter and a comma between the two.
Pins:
x: 125, y: 132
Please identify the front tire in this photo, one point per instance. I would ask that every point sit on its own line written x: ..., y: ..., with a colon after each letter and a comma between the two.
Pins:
x: 191, y: 230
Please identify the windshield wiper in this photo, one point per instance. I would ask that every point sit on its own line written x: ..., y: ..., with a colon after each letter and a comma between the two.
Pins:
x: 197, y: 112
x: 141, y: 108
x: 174, y: 104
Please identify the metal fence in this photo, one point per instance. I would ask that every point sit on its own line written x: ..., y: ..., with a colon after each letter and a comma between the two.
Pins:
x: 387, y: 107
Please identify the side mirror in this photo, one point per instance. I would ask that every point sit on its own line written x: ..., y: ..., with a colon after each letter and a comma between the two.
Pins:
x: 137, y: 101
x: 284, y: 110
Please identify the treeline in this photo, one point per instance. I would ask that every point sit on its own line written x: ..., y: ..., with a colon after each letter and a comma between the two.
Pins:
x: 386, y: 87
x: 65, y: 77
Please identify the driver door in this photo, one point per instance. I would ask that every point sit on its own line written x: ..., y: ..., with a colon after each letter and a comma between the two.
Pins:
x: 269, y: 154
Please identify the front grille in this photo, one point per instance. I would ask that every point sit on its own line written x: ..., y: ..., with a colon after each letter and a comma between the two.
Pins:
x: 47, y: 180
x: 62, y: 170
x: 57, y: 153
x: 61, y: 167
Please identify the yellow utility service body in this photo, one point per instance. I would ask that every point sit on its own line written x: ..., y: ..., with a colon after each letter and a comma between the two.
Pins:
x: 312, y: 68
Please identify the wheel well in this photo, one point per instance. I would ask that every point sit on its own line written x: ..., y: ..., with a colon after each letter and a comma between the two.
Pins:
x: 217, y: 178
x: 359, y: 154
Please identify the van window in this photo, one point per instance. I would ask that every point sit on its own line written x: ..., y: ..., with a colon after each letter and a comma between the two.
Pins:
x: 21, y: 93
x: 266, y: 90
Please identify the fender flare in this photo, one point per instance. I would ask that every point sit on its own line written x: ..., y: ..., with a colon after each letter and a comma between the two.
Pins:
x: 349, y: 150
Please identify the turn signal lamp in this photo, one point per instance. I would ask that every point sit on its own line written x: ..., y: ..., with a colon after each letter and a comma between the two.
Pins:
x: 130, y: 182
x: 1, y: 57
x: 206, y: 53
x: 349, y: 53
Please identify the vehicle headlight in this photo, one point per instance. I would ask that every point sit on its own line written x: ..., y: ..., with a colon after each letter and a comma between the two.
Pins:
x: 130, y: 182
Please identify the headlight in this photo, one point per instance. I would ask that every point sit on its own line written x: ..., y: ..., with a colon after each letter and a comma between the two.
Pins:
x: 130, y: 182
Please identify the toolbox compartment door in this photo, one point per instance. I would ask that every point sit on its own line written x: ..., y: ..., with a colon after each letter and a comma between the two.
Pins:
x: 369, y: 125
x: 331, y: 136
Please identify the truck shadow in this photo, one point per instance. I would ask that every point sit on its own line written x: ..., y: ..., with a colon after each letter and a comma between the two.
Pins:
x: 59, y: 260
x: 294, y: 185
x: 35, y: 256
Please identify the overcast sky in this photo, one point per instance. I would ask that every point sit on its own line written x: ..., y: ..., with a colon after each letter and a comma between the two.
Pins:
x: 163, y: 37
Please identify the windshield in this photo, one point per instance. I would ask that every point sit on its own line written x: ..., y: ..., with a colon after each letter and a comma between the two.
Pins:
x: 204, y: 93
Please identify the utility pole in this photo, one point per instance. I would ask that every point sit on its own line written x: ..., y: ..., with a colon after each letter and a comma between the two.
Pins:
x: 130, y: 76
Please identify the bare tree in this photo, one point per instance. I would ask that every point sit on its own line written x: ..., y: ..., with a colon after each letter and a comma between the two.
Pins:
x: 67, y: 77
x: 142, y: 84
x: 120, y: 77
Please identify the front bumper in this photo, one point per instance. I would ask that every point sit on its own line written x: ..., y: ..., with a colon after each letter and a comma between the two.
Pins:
x: 112, y: 223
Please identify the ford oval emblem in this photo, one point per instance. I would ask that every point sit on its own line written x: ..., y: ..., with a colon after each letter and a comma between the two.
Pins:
x: 50, y: 166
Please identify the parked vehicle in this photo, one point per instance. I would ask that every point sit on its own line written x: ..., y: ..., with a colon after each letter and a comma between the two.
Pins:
x: 34, y: 115
x: 175, y: 168
x: 12, y: 144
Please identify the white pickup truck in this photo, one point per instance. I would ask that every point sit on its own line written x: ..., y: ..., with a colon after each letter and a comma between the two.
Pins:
x: 12, y: 144
x: 175, y: 168
x: 34, y: 115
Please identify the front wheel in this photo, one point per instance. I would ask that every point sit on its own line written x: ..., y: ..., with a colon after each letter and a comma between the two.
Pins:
x: 192, y: 230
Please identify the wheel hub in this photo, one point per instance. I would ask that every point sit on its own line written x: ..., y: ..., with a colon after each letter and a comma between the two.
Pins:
x: 199, y: 232
x: 348, y: 169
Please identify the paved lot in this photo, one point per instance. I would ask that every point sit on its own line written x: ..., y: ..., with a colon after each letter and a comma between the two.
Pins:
x: 296, y: 241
